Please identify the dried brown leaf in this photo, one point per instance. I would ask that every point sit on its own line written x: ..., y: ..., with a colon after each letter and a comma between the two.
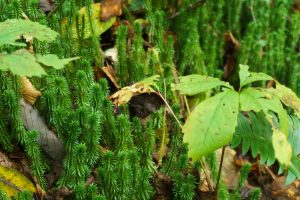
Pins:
x: 110, y: 73
x: 110, y: 8
x: 124, y: 95
x: 30, y: 93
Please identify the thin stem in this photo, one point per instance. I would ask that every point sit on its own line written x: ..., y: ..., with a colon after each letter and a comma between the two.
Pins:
x: 220, y: 171
x: 163, y: 139
x: 187, y: 105
x: 252, y: 10
x: 205, y: 170
x: 170, y: 109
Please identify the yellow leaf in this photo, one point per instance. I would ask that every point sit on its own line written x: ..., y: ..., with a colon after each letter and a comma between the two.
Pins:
x: 282, y: 147
x: 124, y: 95
x: 287, y: 96
x: 83, y: 19
x: 12, y: 182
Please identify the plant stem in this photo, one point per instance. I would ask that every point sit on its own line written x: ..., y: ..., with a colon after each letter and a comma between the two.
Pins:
x: 220, y: 171
x: 170, y: 109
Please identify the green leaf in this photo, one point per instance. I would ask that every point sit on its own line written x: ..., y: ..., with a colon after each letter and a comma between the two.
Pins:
x: 287, y: 96
x: 211, y: 124
x: 294, y: 136
x: 282, y: 148
x: 53, y: 60
x: 275, y: 106
x: 255, y: 134
x: 12, y: 29
x: 21, y: 62
x: 244, y: 73
x: 294, y: 139
x: 252, y: 99
x: 247, y: 78
x: 194, y: 84
x: 294, y: 170
x: 257, y: 77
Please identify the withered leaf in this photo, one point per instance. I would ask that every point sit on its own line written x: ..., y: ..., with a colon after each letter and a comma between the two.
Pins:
x: 124, y: 95
x: 110, y: 8
x: 30, y: 94
x: 110, y: 73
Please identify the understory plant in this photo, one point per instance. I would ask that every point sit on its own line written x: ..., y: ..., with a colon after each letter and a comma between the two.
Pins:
x: 222, y: 118
x: 114, y: 113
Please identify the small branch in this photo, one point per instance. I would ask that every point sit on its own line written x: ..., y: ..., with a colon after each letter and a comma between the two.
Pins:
x: 170, y: 109
x: 10, y: 184
x: 220, y: 171
x: 189, y: 7
x: 205, y: 170
x: 162, y: 148
x: 252, y: 10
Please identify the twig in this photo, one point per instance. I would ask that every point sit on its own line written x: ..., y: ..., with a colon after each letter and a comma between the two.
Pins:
x: 186, y: 104
x: 205, y: 170
x: 220, y: 170
x: 189, y: 7
x: 10, y: 184
x: 170, y: 109
x: 162, y: 146
x: 252, y: 10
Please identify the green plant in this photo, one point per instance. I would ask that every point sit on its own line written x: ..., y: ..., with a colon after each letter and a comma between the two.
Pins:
x: 15, y: 33
x: 213, y: 122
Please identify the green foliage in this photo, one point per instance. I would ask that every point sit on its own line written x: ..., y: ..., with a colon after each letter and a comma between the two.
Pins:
x: 12, y: 30
x: 244, y: 172
x: 255, y: 134
x: 193, y: 84
x: 184, y: 187
x: 52, y: 60
x: 168, y: 38
x: 294, y: 139
x: 212, y: 123
x: 22, y: 62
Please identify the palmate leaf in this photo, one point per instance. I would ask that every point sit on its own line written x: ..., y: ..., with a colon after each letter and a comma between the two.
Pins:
x: 195, y: 84
x: 12, y: 29
x: 255, y: 134
x: 211, y: 124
